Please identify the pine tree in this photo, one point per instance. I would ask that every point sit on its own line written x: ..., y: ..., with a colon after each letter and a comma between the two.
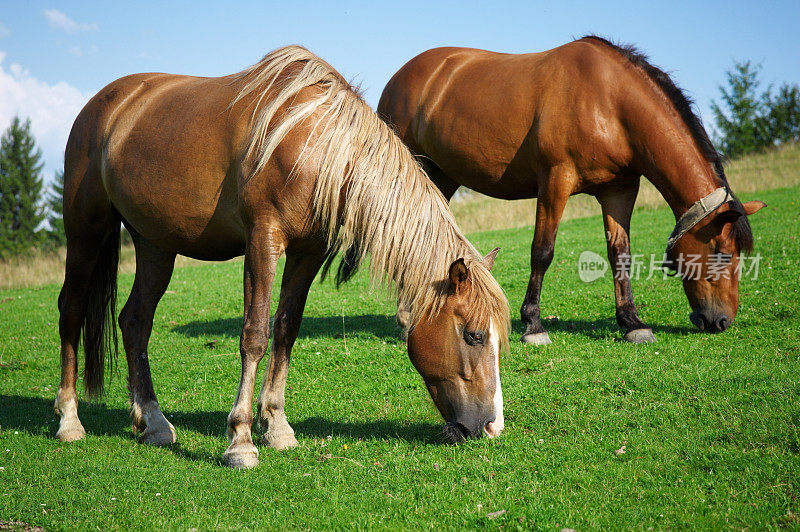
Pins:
x: 753, y: 121
x: 784, y: 113
x: 743, y: 128
x: 55, y: 211
x: 20, y: 189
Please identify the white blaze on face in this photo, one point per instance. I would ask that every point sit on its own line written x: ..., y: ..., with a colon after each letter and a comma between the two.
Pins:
x: 494, y: 428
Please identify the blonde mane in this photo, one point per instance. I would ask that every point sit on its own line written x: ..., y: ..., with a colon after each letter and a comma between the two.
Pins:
x: 391, y: 209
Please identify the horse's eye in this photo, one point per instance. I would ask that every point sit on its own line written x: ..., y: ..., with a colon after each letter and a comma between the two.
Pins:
x: 473, y: 337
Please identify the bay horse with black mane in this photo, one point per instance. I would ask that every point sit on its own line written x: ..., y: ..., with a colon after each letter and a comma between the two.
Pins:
x: 282, y: 158
x: 587, y: 117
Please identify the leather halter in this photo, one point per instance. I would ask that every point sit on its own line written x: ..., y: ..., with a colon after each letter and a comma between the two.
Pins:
x: 699, y: 210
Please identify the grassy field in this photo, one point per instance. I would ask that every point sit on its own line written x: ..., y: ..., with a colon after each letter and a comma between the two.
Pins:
x: 709, y: 425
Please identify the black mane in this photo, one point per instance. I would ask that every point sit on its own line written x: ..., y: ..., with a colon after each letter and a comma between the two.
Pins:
x: 740, y: 231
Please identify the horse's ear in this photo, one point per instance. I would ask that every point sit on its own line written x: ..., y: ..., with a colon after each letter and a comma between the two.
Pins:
x: 752, y: 207
x: 458, y: 274
x: 488, y: 260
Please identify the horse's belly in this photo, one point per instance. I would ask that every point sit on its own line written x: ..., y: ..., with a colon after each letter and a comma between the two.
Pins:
x: 489, y: 172
x: 508, y: 186
x: 192, y: 217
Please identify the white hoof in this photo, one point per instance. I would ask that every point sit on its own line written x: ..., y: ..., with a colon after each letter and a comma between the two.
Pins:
x: 280, y: 441
x: 640, y: 336
x: 541, y: 338
x: 70, y: 431
x: 159, y: 435
x: 243, y: 456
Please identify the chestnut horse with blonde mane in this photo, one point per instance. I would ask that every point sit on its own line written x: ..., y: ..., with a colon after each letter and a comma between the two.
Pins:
x: 587, y: 117
x: 282, y: 158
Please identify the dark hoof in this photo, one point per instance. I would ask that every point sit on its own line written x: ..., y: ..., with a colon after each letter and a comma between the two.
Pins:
x: 541, y: 338
x: 640, y: 336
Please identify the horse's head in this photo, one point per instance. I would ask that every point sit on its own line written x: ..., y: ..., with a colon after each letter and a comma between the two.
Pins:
x: 708, y: 260
x: 457, y: 349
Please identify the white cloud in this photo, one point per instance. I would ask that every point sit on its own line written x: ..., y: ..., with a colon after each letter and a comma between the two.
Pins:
x: 51, y: 108
x: 4, y: 31
x: 77, y: 51
x: 60, y: 21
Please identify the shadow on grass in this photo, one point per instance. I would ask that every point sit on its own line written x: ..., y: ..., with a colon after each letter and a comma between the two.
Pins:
x: 319, y: 427
x: 385, y: 328
x: 597, y: 329
x: 380, y: 326
x: 35, y: 415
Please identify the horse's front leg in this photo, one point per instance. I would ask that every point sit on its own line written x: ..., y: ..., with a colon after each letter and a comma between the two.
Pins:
x: 264, y: 247
x: 617, y: 208
x: 553, y: 195
x: 298, y: 274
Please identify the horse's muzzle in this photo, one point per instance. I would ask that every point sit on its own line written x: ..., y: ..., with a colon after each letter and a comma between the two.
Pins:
x: 458, y: 432
x: 713, y: 322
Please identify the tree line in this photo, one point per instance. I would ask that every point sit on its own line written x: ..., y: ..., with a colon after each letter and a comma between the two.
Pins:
x: 746, y: 121
x: 749, y: 121
x: 24, y: 205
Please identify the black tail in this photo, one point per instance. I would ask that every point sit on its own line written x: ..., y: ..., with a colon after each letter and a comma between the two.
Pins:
x: 100, y: 327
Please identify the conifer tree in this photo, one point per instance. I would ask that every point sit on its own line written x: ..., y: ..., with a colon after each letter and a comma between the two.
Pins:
x: 55, y: 211
x: 21, y: 212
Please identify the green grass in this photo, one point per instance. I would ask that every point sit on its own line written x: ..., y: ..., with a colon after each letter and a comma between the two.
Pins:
x: 709, y: 423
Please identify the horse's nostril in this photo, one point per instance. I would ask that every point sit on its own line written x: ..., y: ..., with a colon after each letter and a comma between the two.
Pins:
x: 456, y: 432
x: 723, y: 324
x: 491, y: 429
x: 699, y: 320
x: 464, y: 430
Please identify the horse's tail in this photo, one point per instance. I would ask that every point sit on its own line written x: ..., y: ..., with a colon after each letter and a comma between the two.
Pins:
x: 100, y: 323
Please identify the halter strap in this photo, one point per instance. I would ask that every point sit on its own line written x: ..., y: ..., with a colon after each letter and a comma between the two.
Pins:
x: 699, y: 210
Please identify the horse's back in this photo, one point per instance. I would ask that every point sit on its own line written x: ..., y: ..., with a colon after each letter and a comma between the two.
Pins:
x: 162, y: 148
x: 496, y: 122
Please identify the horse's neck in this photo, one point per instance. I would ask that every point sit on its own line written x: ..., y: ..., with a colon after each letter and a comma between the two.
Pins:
x: 678, y: 170
x: 682, y: 189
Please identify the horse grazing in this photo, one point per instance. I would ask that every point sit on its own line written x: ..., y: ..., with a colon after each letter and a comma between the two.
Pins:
x: 586, y: 117
x: 283, y: 157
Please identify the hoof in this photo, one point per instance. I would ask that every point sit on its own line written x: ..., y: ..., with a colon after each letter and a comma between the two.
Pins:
x: 159, y: 437
x: 241, y: 457
x: 541, y: 338
x: 71, y: 432
x: 640, y: 336
x: 280, y: 442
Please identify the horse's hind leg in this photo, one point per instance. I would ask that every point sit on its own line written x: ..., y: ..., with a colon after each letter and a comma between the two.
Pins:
x: 153, y: 272
x: 553, y: 195
x: 264, y: 247
x: 617, y: 208
x: 298, y: 275
x: 72, y: 303
x: 89, y: 286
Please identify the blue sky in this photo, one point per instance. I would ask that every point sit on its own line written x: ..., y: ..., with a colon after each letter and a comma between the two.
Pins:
x: 55, y: 55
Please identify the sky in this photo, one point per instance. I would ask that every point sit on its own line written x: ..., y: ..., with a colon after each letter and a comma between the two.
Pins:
x: 55, y: 55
